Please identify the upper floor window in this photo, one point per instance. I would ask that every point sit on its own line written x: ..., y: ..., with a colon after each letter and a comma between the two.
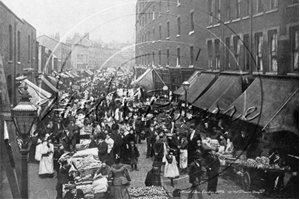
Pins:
x: 217, y: 53
x: 273, y: 4
x: 238, y: 9
x: 159, y: 57
x: 210, y: 54
x: 210, y: 11
x: 227, y: 51
x: 227, y: 6
x: 153, y: 33
x: 160, y: 32
x: 178, y: 57
x: 259, y: 6
x: 246, y: 52
x: 192, y: 21
x: 10, y: 32
x: 273, y: 50
x: 153, y: 13
x: 19, y: 47
x: 29, y: 48
x: 259, y: 51
x: 237, y: 50
x: 168, y: 56
x: 168, y: 29
x: 294, y: 40
x: 168, y: 5
x: 178, y: 26
x: 191, y: 55
x: 248, y: 7
x: 218, y: 10
x: 160, y: 8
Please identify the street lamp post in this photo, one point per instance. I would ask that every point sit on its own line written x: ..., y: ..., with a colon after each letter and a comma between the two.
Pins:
x: 24, y: 114
x: 186, y: 86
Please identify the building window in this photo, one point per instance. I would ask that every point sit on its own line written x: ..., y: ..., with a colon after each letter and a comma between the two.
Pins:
x: 248, y: 7
x: 246, y: 53
x: 191, y: 55
x: 153, y: 32
x: 273, y: 50
x: 178, y: 57
x: 160, y: 8
x: 178, y: 26
x: 236, y: 45
x: 217, y: 53
x: 294, y: 39
x: 153, y: 58
x: 210, y: 11
x: 168, y: 5
x: 209, y: 49
x: 227, y: 60
x: 168, y: 56
x: 160, y: 32
x: 153, y: 13
x: 259, y: 51
x: 218, y: 10
x: 227, y: 10
x: 260, y: 6
x: 29, y: 48
x: 10, y: 42
x: 149, y: 36
x: 238, y: 9
x: 273, y: 4
x: 192, y: 21
x: 168, y: 29
x: 19, y: 47
x: 159, y: 57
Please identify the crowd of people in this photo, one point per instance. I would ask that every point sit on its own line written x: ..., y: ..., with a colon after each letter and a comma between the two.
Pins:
x: 115, y: 123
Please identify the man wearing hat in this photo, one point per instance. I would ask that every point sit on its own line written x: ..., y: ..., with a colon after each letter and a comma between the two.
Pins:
x: 195, y: 173
x: 192, y: 138
x: 153, y: 176
x: 150, y: 138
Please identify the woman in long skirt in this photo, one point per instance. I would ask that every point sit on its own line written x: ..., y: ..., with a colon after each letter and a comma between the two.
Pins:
x: 171, y: 169
x: 120, y: 180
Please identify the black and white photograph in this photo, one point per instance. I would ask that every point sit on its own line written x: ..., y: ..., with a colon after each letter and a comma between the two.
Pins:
x: 149, y: 99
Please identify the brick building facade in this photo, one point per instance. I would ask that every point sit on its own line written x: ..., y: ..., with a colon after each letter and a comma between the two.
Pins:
x: 258, y: 37
x: 18, y: 48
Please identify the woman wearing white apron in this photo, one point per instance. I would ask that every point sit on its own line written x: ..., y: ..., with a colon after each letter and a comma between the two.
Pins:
x: 46, y: 150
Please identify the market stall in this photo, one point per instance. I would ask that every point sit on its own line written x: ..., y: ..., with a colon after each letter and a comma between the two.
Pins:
x: 249, y: 172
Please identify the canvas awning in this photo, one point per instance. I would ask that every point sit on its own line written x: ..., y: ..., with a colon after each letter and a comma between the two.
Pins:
x: 88, y: 72
x: 202, y: 83
x: 287, y: 117
x: 38, y: 95
x: 145, y: 80
x: 192, y: 79
x: 49, y: 85
x: 264, y: 99
x: 222, y: 93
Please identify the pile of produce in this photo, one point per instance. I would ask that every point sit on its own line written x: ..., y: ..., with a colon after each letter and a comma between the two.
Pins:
x: 148, y: 192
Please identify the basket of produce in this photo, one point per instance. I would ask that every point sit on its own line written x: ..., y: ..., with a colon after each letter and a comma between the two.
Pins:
x: 148, y: 192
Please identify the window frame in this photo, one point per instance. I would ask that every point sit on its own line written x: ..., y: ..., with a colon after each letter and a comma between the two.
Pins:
x: 273, y: 54
x: 209, y: 54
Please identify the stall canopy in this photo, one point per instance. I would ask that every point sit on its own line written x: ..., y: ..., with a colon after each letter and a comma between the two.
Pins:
x: 222, y: 93
x: 39, y: 95
x: 287, y: 117
x: 145, y: 80
x: 47, y: 84
x: 266, y: 101
x: 54, y: 81
x: 191, y: 80
x: 89, y: 72
x: 202, y: 83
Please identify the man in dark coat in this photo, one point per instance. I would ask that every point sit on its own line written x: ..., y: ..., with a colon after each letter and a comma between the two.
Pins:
x: 74, y: 193
x: 212, y: 167
x: 153, y: 177
x: 102, y: 148
x: 195, y: 173
x: 192, y: 143
x: 158, y: 148
x: 150, y: 138
x: 62, y: 178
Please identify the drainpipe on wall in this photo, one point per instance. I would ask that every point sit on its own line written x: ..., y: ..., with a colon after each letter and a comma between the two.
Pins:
x: 251, y: 36
x: 15, y: 65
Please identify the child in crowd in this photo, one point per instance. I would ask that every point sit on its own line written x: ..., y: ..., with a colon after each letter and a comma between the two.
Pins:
x: 133, y: 155
x: 171, y: 169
